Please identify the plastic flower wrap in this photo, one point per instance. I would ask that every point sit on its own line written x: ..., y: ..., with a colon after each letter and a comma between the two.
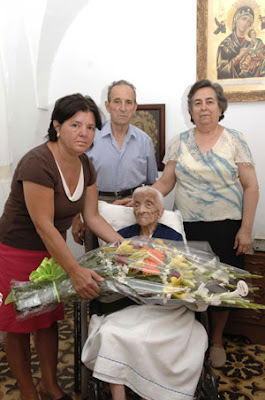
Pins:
x: 149, y: 271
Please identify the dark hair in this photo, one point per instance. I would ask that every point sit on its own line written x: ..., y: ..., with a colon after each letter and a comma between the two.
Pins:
x: 222, y: 101
x: 67, y: 106
x: 121, y: 82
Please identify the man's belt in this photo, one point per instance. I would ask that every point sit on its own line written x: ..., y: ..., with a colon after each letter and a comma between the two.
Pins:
x: 121, y: 193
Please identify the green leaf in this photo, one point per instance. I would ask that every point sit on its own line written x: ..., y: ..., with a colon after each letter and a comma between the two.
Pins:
x: 9, y: 299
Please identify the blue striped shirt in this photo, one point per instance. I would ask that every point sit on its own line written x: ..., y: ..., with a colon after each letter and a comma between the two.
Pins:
x: 126, y: 168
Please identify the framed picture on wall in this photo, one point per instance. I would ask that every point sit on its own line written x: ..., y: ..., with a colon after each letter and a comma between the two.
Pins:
x: 231, y: 46
x: 151, y: 119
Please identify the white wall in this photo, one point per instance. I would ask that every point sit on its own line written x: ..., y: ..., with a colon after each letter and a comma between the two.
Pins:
x: 55, y: 47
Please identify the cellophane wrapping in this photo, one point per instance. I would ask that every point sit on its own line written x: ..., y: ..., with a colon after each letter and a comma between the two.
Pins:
x: 149, y: 271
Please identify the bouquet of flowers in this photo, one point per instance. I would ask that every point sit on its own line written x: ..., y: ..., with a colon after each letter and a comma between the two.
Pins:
x: 149, y: 271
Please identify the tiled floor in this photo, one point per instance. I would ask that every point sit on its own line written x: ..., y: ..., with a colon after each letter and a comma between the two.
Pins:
x: 242, y: 377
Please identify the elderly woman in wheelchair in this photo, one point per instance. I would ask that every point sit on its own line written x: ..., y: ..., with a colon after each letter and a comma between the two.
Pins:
x: 156, y: 351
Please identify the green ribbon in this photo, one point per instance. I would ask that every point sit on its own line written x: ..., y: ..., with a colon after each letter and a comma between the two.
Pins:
x: 56, y: 291
x: 48, y: 270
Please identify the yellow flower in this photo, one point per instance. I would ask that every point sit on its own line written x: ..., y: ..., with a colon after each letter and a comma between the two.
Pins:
x: 177, y: 263
x: 175, y: 281
x: 125, y: 247
x: 108, y: 249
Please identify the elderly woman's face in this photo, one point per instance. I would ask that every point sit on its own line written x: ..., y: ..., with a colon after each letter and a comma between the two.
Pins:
x: 205, y: 109
x: 147, y: 208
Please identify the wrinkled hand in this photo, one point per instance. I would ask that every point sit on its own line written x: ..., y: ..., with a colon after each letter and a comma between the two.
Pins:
x: 242, y: 241
x: 85, y: 281
x: 127, y: 202
x: 78, y: 229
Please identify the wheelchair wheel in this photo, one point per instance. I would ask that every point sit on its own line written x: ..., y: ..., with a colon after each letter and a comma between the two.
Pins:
x: 208, y: 383
x: 94, y: 390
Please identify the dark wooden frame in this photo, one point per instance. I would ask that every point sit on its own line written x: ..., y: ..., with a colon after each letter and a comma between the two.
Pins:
x: 157, y: 114
x: 242, y: 92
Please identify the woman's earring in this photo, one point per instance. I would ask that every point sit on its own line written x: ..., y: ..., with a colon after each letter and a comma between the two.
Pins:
x: 58, y: 135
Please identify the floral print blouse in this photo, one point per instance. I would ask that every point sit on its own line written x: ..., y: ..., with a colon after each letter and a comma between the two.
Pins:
x: 208, y: 186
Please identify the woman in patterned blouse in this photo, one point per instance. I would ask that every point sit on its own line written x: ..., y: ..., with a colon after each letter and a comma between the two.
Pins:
x: 216, y: 187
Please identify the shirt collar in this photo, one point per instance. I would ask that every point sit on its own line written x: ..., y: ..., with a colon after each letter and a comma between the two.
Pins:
x: 107, y: 130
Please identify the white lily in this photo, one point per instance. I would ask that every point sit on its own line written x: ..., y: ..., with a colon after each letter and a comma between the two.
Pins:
x: 202, y: 291
x: 188, y: 296
x: 213, y: 300
x: 125, y: 269
x: 220, y: 275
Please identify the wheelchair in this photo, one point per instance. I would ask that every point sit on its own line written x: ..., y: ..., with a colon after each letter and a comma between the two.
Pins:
x: 91, y: 388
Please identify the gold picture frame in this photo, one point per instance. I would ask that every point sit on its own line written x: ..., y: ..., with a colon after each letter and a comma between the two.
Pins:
x: 151, y: 119
x: 216, y: 21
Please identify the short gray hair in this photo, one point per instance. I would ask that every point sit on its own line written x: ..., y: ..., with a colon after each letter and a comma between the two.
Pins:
x: 121, y: 82
x: 222, y: 100
x: 143, y: 189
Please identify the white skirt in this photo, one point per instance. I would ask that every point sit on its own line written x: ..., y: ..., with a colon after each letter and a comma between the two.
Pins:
x: 157, y: 351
